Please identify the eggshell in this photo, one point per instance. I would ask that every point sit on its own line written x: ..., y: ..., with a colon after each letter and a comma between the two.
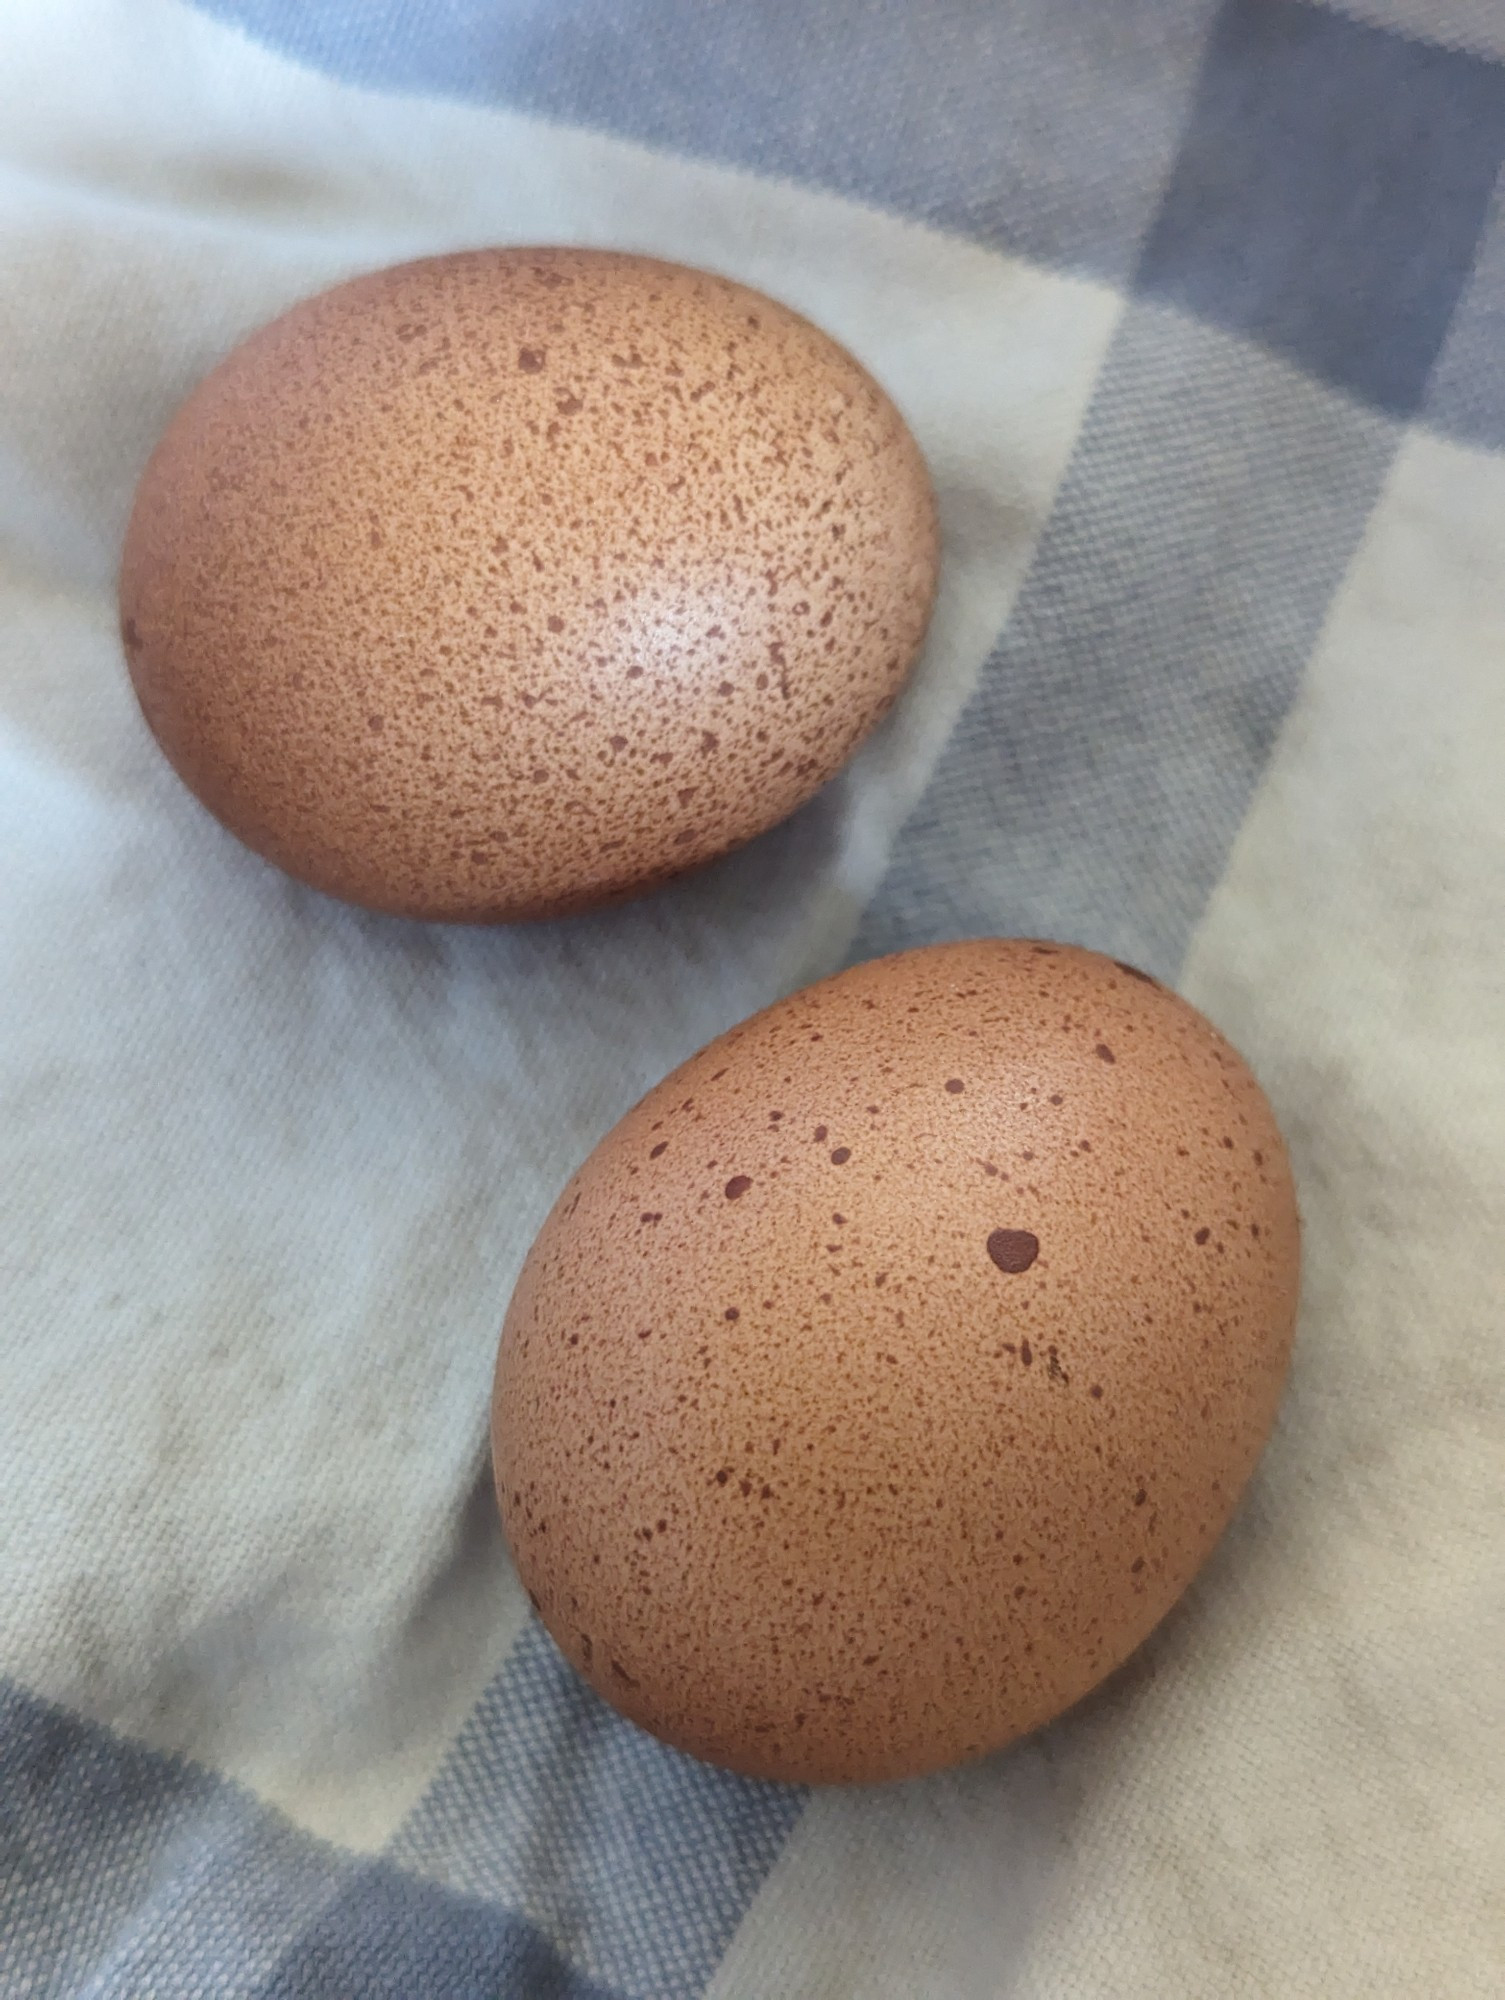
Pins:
x: 501, y: 584
x: 885, y: 1376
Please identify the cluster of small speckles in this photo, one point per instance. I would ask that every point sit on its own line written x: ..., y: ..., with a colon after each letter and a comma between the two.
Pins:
x: 857, y: 1472
x: 510, y: 582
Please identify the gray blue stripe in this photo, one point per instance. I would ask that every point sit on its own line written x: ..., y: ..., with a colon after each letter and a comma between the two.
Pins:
x: 125, y: 1873
x: 636, y: 1861
x: 1096, y: 780
x: 1329, y: 194
x: 387, y: 1936
x: 1046, y: 127
x: 1268, y: 164
x: 1466, y: 395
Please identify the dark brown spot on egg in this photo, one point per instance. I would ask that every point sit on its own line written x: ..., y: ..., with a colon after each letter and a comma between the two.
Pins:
x: 1013, y: 1250
x: 737, y: 1186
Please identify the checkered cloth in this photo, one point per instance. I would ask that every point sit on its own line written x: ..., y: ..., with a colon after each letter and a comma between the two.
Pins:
x: 1198, y: 310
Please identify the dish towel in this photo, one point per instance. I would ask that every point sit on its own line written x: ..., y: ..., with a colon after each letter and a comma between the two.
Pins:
x: 1198, y: 309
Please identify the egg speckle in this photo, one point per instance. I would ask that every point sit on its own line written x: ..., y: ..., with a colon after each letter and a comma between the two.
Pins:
x: 505, y: 583
x: 849, y: 1460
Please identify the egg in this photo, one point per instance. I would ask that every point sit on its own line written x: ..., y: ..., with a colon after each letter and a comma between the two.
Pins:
x: 884, y: 1377
x: 502, y: 584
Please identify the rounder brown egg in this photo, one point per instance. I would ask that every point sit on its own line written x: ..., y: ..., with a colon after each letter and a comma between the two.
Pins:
x: 885, y: 1376
x: 507, y: 583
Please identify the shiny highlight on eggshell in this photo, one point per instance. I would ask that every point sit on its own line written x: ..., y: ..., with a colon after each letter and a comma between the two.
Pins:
x: 882, y: 1379
x: 510, y: 582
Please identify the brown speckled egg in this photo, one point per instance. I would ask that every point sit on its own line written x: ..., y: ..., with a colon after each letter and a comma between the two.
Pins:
x: 884, y: 1376
x: 502, y: 584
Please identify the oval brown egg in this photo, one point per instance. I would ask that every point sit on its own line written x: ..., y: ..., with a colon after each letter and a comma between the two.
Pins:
x: 884, y: 1376
x: 507, y: 583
